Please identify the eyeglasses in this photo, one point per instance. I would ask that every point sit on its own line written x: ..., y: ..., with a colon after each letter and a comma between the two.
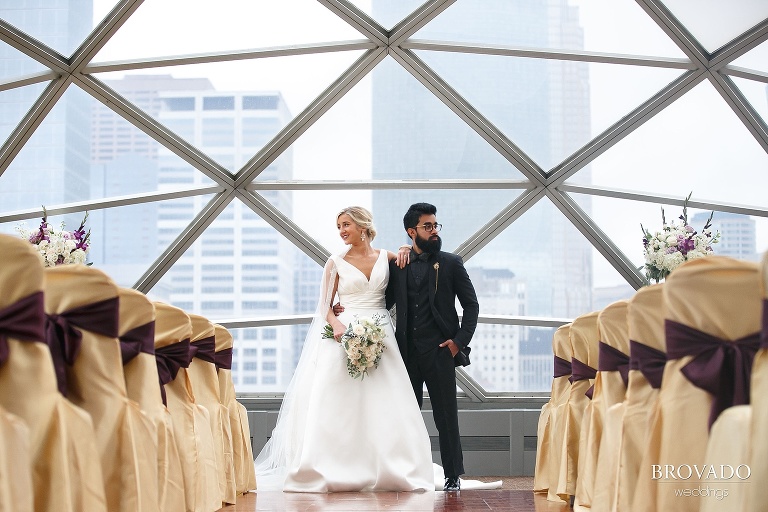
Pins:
x: 428, y: 227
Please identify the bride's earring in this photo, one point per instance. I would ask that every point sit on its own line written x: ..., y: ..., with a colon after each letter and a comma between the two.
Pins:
x: 362, y: 237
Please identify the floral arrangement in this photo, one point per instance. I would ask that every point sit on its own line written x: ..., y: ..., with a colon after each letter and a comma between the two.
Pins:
x: 676, y: 243
x: 58, y: 247
x: 363, y: 342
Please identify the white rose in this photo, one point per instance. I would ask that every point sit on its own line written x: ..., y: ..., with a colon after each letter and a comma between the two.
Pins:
x: 358, y: 330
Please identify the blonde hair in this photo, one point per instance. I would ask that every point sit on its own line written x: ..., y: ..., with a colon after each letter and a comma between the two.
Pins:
x: 362, y: 218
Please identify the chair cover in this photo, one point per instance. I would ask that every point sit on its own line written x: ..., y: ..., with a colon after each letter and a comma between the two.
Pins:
x: 242, y: 451
x: 608, y: 389
x: 82, y: 299
x: 173, y: 330
x: 202, y: 373
x: 61, y: 439
x: 541, y: 471
x: 758, y: 495
x: 223, y: 362
x: 561, y: 384
x: 612, y: 378
x: 645, y: 319
x: 15, y: 465
x: 712, y: 323
x: 584, y: 338
x: 137, y: 319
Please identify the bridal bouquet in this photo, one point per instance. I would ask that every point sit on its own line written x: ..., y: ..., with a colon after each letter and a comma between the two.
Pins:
x: 676, y: 243
x: 363, y: 341
x: 58, y: 247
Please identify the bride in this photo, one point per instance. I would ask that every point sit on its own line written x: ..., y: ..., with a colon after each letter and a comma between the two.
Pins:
x: 335, y: 433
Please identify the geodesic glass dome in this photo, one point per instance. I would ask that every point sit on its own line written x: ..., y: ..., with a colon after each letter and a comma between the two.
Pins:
x: 213, y: 144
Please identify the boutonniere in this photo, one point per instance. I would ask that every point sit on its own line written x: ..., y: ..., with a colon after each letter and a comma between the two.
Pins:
x: 437, y: 273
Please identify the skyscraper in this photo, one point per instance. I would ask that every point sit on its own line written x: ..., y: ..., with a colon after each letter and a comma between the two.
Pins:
x: 548, y: 256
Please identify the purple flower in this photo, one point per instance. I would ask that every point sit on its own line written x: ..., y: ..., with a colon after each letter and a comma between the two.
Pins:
x: 686, y: 245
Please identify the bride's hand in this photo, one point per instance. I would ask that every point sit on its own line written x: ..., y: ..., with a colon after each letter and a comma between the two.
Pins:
x: 403, y: 256
x: 338, y: 331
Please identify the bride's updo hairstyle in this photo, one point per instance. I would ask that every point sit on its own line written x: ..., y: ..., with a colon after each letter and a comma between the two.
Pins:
x: 362, y: 218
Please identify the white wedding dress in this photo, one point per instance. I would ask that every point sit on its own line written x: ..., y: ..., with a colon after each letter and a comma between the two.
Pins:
x: 335, y: 433
x: 350, y: 434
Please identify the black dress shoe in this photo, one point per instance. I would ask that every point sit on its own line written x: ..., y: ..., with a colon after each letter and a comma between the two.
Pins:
x: 452, y: 484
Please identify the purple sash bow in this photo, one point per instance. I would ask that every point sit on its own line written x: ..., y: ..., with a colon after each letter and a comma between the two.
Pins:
x: 649, y: 361
x: 582, y: 371
x: 23, y: 320
x: 223, y: 359
x: 137, y: 340
x: 720, y: 367
x: 612, y: 359
x: 169, y: 359
x: 64, y: 339
x: 562, y: 367
x: 205, y: 349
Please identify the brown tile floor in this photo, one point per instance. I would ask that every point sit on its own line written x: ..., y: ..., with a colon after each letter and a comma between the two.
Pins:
x: 515, y: 495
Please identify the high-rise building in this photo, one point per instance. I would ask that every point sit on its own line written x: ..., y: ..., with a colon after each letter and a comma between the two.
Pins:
x: 738, y: 237
x: 57, y: 153
x: 240, y: 266
x: 548, y: 256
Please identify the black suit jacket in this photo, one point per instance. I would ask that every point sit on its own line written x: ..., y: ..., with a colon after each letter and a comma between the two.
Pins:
x: 448, y: 279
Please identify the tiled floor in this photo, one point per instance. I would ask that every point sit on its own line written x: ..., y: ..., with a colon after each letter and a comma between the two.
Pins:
x: 509, y: 498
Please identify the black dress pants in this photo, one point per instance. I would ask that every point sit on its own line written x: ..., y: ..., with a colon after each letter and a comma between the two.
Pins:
x: 436, y: 369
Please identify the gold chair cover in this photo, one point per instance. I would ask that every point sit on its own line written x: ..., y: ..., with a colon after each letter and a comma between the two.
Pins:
x: 758, y: 493
x: 584, y: 337
x: 224, y: 339
x: 603, y: 391
x: 205, y: 382
x: 15, y: 465
x: 242, y: 451
x: 143, y: 386
x: 719, y: 296
x: 124, y: 435
x: 614, y: 331
x: 559, y: 400
x: 61, y: 439
x: 645, y: 318
x: 172, y: 326
x: 543, y: 451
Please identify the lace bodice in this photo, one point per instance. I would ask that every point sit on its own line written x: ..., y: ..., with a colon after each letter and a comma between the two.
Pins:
x: 357, y: 292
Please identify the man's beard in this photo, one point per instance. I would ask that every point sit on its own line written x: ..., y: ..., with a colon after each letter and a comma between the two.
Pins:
x: 427, y: 245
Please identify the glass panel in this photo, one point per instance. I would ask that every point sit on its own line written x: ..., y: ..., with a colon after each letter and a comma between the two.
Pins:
x: 741, y: 236
x: 511, y: 357
x: 714, y: 23
x: 756, y: 93
x: 84, y: 150
x: 614, y: 26
x: 376, y: 119
x: 265, y: 94
x: 240, y: 267
x: 386, y: 12
x: 698, y: 144
x: 237, y: 25
x: 14, y: 105
x: 61, y: 24
x: 14, y: 63
x: 264, y: 358
x: 544, y: 106
x: 757, y: 58
x: 462, y: 212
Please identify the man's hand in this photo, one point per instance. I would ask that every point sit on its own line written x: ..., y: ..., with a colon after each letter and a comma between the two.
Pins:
x: 454, y: 348
x: 338, y: 309
x: 403, y: 256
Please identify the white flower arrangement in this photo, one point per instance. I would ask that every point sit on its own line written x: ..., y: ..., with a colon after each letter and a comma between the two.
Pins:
x: 58, y: 247
x: 363, y: 342
x: 675, y: 244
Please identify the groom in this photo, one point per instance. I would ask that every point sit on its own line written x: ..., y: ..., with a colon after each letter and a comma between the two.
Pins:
x: 430, y: 338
